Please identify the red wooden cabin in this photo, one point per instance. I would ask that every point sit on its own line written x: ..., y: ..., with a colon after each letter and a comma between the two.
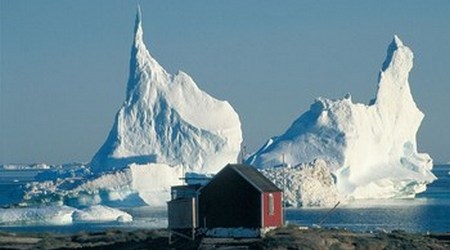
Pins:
x: 239, y: 196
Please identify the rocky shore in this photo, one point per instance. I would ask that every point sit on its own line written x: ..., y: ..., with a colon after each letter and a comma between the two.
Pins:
x: 283, y: 238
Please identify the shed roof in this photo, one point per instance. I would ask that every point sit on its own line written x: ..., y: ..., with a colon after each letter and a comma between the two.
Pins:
x: 254, y: 177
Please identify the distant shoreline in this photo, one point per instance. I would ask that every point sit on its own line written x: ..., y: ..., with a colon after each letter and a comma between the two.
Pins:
x: 282, y: 238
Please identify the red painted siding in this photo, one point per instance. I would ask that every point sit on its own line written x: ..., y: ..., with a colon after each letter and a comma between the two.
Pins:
x: 276, y: 218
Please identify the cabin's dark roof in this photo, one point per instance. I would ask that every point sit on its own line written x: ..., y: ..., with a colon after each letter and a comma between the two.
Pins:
x: 254, y: 177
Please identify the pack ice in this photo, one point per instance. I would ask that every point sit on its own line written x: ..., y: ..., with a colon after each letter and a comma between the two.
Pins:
x: 369, y: 151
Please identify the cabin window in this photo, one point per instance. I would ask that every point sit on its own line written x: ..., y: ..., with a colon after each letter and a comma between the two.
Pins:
x: 271, y: 205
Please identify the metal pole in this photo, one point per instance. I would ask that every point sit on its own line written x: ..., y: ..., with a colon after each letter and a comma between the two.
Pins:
x: 184, y: 181
x: 284, y: 191
x: 328, y: 214
x: 243, y: 154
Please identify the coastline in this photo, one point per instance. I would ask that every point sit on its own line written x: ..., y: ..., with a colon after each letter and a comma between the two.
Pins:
x: 290, y: 237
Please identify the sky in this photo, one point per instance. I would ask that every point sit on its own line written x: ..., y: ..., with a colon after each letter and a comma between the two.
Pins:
x: 64, y: 64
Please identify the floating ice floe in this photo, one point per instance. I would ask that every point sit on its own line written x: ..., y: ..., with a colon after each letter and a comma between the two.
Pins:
x: 61, y: 215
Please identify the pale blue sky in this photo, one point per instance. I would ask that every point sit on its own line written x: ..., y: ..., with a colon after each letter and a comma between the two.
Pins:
x: 64, y: 64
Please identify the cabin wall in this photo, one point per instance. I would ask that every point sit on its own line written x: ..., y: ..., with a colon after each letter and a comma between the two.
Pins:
x: 275, y: 217
x: 229, y: 201
x: 182, y: 213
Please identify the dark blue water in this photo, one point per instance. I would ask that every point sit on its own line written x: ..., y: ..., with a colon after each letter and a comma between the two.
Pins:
x: 12, y: 182
x: 429, y: 212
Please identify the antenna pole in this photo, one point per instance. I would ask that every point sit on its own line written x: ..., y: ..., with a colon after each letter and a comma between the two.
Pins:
x: 243, y: 153
x: 284, y: 189
x: 184, y: 175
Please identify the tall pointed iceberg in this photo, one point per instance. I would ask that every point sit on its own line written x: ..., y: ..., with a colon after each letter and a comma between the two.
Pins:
x: 371, y: 150
x: 167, y: 119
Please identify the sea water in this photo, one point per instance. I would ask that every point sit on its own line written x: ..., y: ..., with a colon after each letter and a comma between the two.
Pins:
x: 12, y: 183
x: 428, y: 212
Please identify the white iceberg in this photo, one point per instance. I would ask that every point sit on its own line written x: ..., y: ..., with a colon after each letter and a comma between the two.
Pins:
x: 166, y: 127
x: 61, y: 215
x: 100, y: 213
x: 133, y: 186
x: 168, y: 119
x: 306, y: 185
x: 370, y: 149
x: 48, y: 215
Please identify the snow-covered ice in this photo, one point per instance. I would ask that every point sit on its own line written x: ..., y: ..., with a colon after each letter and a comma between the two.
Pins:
x: 370, y: 149
x: 37, y: 166
x: 61, y: 215
x: 305, y: 185
x: 100, y: 213
x: 54, y: 215
x: 168, y: 119
x: 135, y: 185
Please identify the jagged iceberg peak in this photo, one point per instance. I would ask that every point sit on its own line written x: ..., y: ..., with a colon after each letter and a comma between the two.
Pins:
x: 394, y: 46
x: 370, y: 149
x: 393, y: 78
x: 167, y: 119
x: 143, y: 67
